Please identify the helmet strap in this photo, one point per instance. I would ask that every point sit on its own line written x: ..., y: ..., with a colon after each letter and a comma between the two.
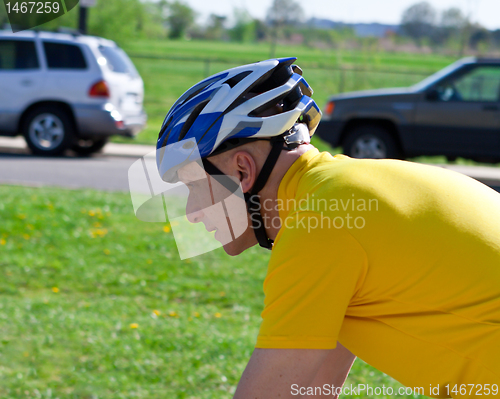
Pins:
x: 252, y: 198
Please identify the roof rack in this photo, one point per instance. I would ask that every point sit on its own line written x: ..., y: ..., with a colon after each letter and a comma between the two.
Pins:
x: 71, y: 31
x: 36, y: 30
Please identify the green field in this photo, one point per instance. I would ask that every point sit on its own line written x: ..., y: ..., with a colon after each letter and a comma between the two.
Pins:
x: 96, y: 304
x: 166, y: 79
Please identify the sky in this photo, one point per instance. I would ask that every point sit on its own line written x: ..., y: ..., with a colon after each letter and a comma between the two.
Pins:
x: 486, y: 12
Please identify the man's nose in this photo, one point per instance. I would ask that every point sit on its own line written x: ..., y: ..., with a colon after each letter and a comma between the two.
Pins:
x: 193, y: 212
x: 195, y: 217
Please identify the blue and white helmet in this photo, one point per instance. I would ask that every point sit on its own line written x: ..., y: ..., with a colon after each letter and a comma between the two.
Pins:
x: 220, y: 111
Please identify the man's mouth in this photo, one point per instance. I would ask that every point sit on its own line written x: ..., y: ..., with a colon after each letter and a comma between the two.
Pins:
x: 211, y: 228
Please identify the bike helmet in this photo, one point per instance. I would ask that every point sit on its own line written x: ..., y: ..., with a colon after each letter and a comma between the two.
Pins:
x: 232, y: 108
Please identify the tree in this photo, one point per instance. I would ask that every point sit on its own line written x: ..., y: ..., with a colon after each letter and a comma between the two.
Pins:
x: 180, y: 18
x: 418, y: 21
x: 495, y: 36
x: 244, y: 26
x: 479, y: 36
x: 3, y: 17
x: 453, y: 29
x: 215, y: 29
x: 117, y: 20
x: 453, y: 19
x: 283, y: 13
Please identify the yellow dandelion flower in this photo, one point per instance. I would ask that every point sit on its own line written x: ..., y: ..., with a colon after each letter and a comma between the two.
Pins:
x: 91, y: 212
x: 157, y: 312
x: 222, y: 293
x: 26, y: 236
x: 218, y: 315
x: 3, y: 241
x: 97, y: 224
x: 51, y: 207
x: 26, y: 354
x: 196, y: 314
x: 55, y: 290
x: 107, y: 251
x: 149, y: 261
x: 190, y: 319
x: 173, y: 314
x: 21, y: 216
x: 166, y: 229
x: 98, y: 232
x: 134, y: 325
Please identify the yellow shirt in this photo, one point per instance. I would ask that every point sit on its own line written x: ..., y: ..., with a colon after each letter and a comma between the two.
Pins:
x: 399, y: 262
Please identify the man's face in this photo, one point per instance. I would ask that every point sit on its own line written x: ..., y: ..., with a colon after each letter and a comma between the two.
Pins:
x: 215, y: 204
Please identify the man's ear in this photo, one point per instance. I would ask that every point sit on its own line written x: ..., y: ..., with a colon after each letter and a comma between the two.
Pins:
x: 246, y: 168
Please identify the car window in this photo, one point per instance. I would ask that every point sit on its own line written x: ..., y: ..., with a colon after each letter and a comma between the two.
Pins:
x: 117, y: 60
x: 64, y: 56
x: 18, y: 54
x: 481, y: 84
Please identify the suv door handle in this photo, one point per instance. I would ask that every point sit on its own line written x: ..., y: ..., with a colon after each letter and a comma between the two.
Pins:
x: 26, y: 82
x: 490, y: 108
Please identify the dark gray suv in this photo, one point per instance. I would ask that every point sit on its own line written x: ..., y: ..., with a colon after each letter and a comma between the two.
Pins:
x: 455, y: 112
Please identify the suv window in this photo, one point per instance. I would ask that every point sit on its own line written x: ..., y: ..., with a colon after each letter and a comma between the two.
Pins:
x: 482, y: 84
x: 117, y: 60
x: 18, y: 54
x: 64, y: 56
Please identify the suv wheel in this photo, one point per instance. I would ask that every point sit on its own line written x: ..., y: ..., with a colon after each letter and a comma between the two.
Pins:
x: 89, y: 146
x: 48, y: 131
x: 370, y: 141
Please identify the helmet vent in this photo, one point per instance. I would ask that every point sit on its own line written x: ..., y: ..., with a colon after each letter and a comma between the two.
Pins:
x: 189, y: 122
x: 278, y: 78
x: 237, y: 78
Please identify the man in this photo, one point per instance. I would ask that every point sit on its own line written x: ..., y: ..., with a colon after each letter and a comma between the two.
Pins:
x: 394, y: 262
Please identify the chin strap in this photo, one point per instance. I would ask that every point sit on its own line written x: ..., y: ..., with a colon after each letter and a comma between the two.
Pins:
x: 297, y: 135
x: 252, y: 198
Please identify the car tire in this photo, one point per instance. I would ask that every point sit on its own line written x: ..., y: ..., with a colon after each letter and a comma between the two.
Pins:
x: 48, y: 130
x: 89, y: 146
x: 370, y: 141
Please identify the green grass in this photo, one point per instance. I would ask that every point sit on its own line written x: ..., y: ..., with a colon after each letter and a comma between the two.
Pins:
x: 96, y: 304
x: 165, y: 80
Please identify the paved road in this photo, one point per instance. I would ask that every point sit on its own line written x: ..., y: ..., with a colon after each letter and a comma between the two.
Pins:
x: 109, y: 171
x: 101, y: 172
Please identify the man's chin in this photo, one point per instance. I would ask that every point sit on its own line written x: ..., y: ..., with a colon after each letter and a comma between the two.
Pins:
x: 232, y: 249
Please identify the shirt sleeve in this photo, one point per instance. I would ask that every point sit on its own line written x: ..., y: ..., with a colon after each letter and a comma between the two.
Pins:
x: 313, y: 273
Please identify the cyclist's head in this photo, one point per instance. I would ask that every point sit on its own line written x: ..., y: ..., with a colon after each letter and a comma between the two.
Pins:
x: 231, y: 113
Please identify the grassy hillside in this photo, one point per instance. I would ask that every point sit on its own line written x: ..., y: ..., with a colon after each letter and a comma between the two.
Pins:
x: 166, y: 79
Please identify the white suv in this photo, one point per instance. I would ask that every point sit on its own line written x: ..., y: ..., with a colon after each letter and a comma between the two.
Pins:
x: 64, y: 91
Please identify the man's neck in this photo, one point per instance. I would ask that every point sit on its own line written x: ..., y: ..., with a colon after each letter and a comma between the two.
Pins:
x: 269, y: 194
